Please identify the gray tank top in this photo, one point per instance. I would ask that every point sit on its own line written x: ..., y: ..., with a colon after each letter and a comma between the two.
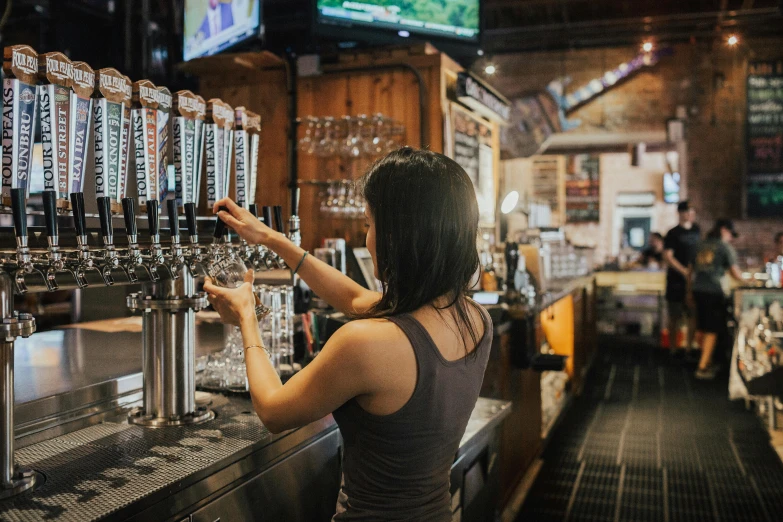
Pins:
x: 397, y: 466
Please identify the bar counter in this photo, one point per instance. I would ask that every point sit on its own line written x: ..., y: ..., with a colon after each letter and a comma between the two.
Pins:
x: 562, y: 322
x: 74, y: 387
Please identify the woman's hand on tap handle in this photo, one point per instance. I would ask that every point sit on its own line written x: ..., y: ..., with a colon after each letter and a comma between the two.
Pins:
x: 248, y: 226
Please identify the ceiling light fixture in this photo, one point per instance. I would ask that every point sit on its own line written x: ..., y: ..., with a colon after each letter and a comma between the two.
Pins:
x: 490, y: 69
x: 733, y: 40
x: 647, y: 47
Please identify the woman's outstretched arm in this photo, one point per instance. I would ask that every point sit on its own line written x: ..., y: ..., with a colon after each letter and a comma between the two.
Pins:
x: 344, y: 369
x: 331, y: 285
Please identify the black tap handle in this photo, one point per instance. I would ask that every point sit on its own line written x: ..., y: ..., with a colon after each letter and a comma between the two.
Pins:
x: 253, y: 209
x: 171, y: 205
x: 79, y: 216
x: 220, y: 226
x: 19, y: 209
x: 104, y: 213
x: 129, y: 211
x: 190, y: 218
x: 278, y: 218
x: 153, y: 217
x: 267, y: 216
x: 295, y: 201
x: 50, y: 212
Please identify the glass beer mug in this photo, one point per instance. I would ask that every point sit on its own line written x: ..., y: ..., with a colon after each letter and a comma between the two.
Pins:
x: 226, y: 268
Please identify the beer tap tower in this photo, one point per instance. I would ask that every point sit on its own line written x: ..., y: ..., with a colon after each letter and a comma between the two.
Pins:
x: 152, y: 124
x: 169, y: 302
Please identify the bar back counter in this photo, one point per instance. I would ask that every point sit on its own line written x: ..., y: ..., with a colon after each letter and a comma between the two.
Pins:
x: 560, y: 323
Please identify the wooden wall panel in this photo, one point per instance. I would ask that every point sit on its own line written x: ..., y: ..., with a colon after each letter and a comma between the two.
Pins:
x: 264, y: 93
x: 337, y: 92
x: 394, y: 93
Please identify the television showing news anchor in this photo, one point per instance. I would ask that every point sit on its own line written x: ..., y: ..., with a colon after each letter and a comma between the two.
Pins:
x: 217, y: 18
x: 212, y: 26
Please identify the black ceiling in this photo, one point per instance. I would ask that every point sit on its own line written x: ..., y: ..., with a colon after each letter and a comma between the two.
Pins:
x: 509, y: 26
x: 518, y: 25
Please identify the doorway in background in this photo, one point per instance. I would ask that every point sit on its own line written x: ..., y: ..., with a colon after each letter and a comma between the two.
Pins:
x: 636, y: 232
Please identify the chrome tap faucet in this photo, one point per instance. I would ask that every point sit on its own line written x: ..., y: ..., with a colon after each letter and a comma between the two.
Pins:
x: 23, y: 257
x: 294, y: 233
x: 54, y: 263
x: 260, y: 257
x: 219, y: 247
x: 195, y: 257
x: 111, y: 259
x: 271, y: 259
x: 177, y: 257
x: 134, y: 259
x: 156, y: 261
x: 84, y: 260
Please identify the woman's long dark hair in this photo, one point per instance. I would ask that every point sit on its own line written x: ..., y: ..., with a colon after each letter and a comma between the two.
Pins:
x: 426, y: 221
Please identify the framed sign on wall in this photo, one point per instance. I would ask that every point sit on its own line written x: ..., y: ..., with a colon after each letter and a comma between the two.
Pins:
x: 764, y: 140
x: 583, y: 189
x: 472, y: 149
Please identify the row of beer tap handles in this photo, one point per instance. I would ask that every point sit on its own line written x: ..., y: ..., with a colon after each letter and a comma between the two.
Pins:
x: 127, y: 118
x: 137, y: 264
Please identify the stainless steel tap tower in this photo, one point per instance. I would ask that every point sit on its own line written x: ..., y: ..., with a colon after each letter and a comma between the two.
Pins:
x: 169, y: 329
x: 14, y: 480
x: 169, y: 302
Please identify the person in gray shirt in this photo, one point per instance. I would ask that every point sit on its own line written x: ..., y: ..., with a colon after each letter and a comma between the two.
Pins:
x: 714, y: 259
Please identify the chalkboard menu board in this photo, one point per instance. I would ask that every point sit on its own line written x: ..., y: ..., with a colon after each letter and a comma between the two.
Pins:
x: 473, y: 151
x: 764, y: 139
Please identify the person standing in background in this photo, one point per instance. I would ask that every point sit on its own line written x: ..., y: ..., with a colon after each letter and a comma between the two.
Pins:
x: 652, y: 256
x: 714, y: 259
x: 681, y: 245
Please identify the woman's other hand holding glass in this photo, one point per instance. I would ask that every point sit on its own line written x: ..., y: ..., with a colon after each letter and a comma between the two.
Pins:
x: 235, y: 305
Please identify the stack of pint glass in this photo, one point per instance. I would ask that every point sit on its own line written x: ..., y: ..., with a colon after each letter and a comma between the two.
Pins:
x: 225, y: 370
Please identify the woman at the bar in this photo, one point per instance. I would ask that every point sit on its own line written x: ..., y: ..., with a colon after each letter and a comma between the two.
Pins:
x: 403, y: 378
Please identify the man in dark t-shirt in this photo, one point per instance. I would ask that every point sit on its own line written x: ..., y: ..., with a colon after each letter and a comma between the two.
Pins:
x: 681, y: 245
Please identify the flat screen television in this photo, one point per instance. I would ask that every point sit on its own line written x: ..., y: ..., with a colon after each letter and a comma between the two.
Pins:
x: 212, y: 26
x: 457, y: 20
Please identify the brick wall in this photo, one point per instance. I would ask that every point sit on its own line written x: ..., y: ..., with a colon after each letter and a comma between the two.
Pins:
x: 708, y: 80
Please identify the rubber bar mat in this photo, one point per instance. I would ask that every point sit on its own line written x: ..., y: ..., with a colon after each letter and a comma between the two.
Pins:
x: 94, y: 472
x: 647, y: 442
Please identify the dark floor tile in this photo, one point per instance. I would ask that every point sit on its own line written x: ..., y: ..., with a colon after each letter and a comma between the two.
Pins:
x: 676, y: 451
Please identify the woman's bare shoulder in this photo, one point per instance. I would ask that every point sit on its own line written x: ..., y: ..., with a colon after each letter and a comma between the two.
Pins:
x: 369, y: 331
x: 373, y: 338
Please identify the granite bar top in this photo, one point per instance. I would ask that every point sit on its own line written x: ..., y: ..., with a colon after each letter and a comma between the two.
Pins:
x: 556, y: 290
